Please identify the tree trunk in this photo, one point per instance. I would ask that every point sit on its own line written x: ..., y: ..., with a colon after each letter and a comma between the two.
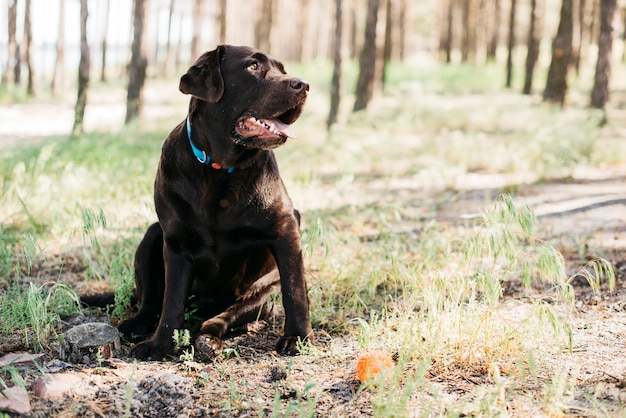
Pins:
x: 592, y: 21
x: 179, y: 43
x: 623, y: 35
x: 402, y: 16
x: 534, y: 38
x: 510, y: 45
x: 196, y: 39
x: 170, y: 58
x: 58, y: 77
x: 28, y: 40
x: 467, y: 28
x: 367, y: 60
x: 83, y: 72
x: 335, y: 90
x: 222, y: 15
x: 388, y: 41
x: 480, y: 31
x: 600, y: 92
x: 556, y: 85
x: 138, y: 62
x: 577, y: 24
x: 103, y: 72
x: 12, y: 43
x: 581, y: 33
x: 445, y: 30
x: 303, y: 23
x: 353, y: 30
x: 492, y: 46
x: 263, y: 26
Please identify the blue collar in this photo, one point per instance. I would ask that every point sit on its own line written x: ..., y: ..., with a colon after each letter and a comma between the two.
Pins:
x: 202, y: 156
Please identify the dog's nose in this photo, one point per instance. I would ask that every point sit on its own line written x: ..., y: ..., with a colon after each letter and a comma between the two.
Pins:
x: 298, y: 84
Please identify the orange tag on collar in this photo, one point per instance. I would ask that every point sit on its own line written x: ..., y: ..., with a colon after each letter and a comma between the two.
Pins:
x: 216, y: 166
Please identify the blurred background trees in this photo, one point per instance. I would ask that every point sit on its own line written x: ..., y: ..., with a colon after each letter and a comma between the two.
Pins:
x: 41, y: 44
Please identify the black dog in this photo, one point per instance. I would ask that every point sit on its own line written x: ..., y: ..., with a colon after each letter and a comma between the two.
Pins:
x: 228, y: 233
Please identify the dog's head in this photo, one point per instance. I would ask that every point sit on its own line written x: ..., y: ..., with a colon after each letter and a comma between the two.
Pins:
x: 251, y: 92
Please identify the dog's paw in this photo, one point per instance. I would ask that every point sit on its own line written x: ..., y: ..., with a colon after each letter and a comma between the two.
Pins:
x: 214, y: 327
x: 136, y: 328
x: 207, y: 347
x: 291, y: 345
x: 151, y: 350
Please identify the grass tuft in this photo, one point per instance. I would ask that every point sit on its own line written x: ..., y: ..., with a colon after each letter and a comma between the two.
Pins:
x: 34, y: 313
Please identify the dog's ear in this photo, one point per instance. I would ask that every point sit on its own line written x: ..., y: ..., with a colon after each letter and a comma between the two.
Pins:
x: 204, y: 79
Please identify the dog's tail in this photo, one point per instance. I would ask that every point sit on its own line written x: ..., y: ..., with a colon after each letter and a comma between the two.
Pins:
x: 103, y: 300
x: 100, y: 300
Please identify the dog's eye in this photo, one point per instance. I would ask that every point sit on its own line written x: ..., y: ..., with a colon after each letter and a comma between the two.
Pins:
x: 254, y: 66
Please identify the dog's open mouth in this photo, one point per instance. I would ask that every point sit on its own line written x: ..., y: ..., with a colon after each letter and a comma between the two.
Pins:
x: 270, y: 128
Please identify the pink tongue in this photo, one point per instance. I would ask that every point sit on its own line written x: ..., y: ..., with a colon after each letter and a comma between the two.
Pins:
x: 283, y: 128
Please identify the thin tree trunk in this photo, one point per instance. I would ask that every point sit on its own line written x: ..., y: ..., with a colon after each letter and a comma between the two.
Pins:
x: 367, y: 66
x: 510, y: 45
x: 592, y: 21
x: 138, y: 63
x: 480, y: 31
x: 449, y: 30
x: 556, y: 85
x: 58, y: 78
x: 581, y: 33
x: 83, y: 72
x: 388, y: 41
x: 492, y: 47
x: 335, y: 90
x: 577, y: 24
x: 196, y: 39
x: 28, y: 40
x: 263, y: 26
x: 467, y: 28
x: 170, y: 61
x: 17, y: 69
x: 353, y: 30
x: 154, y: 48
x: 222, y: 17
x: 12, y: 43
x: 103, y: 69
x: 533, y: 46
x: 623, y: 35
x: 402, y: 16
x: 445, y: 10
x: 179, y: 43
x: 302, y: 30
x: 600, y: 92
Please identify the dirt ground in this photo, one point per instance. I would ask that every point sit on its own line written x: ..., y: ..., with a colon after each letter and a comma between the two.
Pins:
x: 584, y: 217
x: 247, y: 383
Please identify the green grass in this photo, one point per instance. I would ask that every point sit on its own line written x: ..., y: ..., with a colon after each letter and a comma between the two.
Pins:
x: 35, y: 312
x: 381, y: 270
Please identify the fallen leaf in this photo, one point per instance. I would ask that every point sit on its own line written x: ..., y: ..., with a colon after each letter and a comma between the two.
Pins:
x: 14, y: 358
x: 54, y: 386
x: 15, y: 399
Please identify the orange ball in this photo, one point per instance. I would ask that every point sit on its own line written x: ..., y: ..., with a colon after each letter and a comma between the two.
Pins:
x: 372, y: 363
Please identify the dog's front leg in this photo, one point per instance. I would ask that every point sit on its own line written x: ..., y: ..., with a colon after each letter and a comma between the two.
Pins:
x: 178, y: 280
x: 288, y: 255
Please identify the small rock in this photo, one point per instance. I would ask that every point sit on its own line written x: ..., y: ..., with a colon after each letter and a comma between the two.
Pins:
x: 91, y: 342
x: 277, y: 373
x: 208, y: 347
